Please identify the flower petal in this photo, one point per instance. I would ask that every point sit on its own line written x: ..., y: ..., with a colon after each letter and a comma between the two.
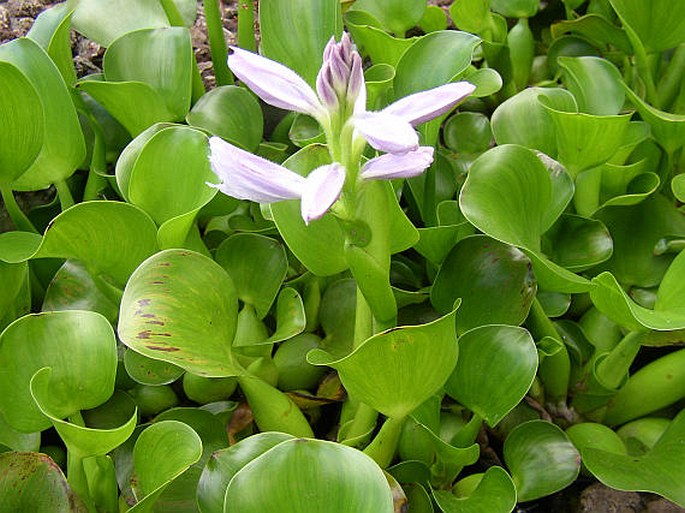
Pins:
x: 391, y: 166
x: 247, y: 176
x: 426, y: 105
x: 322, y: 188
x: 386, y: 132
x: 274, y: 83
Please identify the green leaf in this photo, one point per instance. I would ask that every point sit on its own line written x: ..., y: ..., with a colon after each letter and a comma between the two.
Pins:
x: 290, y: 316
x: 660, y: 25
x: 515, y: 8
x: 468, y: 132
x: 658, y: 471
x: 21, y: 138
x: 374, y: 41
x: 148, y: 371
x: 156, y: 466
x: 541, y: 458
x: 495, y: 369
x: 596, y: 29
x: 111, y: 238
x: 678, y: 187
x: 418, y: 71
x: 161, y: 58
x: 595, y: 84
x: 64, y: 150
x: 636, y: 230
x: 32, y: 482
x: 522, y: 119
x: 79, y: 347
x: 155, y: 318
x: 495, y: 493
x: 51, y: 30
x: 257, y: 265
x: 225, y: 463
x: 81, y: 441
x: 396, y: 16
x: 103, y: 22
x: 314, y: 22
x: 513, y: 197
x: 232, y: 113
x: 578, y: 243
x: 397, y: 370
x: 493, y: 280
x: 309, y: 476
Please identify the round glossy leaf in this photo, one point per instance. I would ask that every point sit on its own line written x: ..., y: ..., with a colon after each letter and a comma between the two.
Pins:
x: 156, y: 318
x: 257, y: 265
x: 418, y: 70
x: 232, y: 113
x: 523, y: 120
x: 495, y: 369
x: 64, y: 149
x: 103, y: 22
x: 294, y: 371
x: 585, y: 141
x: 73, y: 288
x: 21, y: 137
x: 32, y: 482
x: 225, y: 463
x: 147, y: 371
x: 596, y: 436
x: 660, y: 24
x: 493, y: 280
x: 135, y: 105
x: 309, y: 476
x: 111, y: 238
x: 80, y: 440
x: 161, y: 58
x: 79, y: 347
x: 660, y: 470
x: 211, y: 430
x: 168, y: 178
x: 156, y: 466
x: 314, y: 22
x: 468, y: 132
x: 381, y: 47
x: 595, y: 84
x: 678, y: 187
x: 635, y: 231
x: 395, y: 16
x: 495, y: 493
x: 397, y: 370
x: 578, y: 243
x: 541, y: 458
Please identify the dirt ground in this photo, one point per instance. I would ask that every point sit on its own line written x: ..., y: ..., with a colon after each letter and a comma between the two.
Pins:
x: 16, y: 18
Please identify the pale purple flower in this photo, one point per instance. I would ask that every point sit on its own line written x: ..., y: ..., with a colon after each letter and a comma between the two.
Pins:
x: 247, y: 176
x: 390, y: 165
x: 341, y: 80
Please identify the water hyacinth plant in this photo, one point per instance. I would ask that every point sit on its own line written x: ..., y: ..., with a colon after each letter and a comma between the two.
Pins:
x: 387, y: 257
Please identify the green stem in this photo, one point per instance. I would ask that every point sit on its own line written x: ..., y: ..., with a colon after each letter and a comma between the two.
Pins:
x: 217, y: 42
x: 96, y: 182
x: 246, y: 37
x: 172, y: 14
x: 642, y: 62
x: 363, y: 321
x: 672, y: 79
x: 384, y: 445
x: 76, y: 474
x: 467, y: 435
x: 613, y: 369
x: 66, y: 200
x: 555, y: 369
x: 20, y: 220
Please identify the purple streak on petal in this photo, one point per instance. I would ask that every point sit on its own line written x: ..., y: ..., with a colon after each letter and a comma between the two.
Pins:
x: 274, y: 83
x: 391, y: 166
x: 322, y: 188
x: 386, y: 132
x: 426, y: 105
x: 247, y: 176
x: 356, y: 82
x: 325, y: 90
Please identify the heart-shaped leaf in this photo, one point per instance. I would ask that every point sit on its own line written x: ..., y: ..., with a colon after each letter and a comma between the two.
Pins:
x: 495, y: 369
x: 155, y: 318
x: 309, y: 476
x: 541, y: 458
x: 493, y: 280
x: 79, y: 347
x: 658, y: 471
x: 397, y: 370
